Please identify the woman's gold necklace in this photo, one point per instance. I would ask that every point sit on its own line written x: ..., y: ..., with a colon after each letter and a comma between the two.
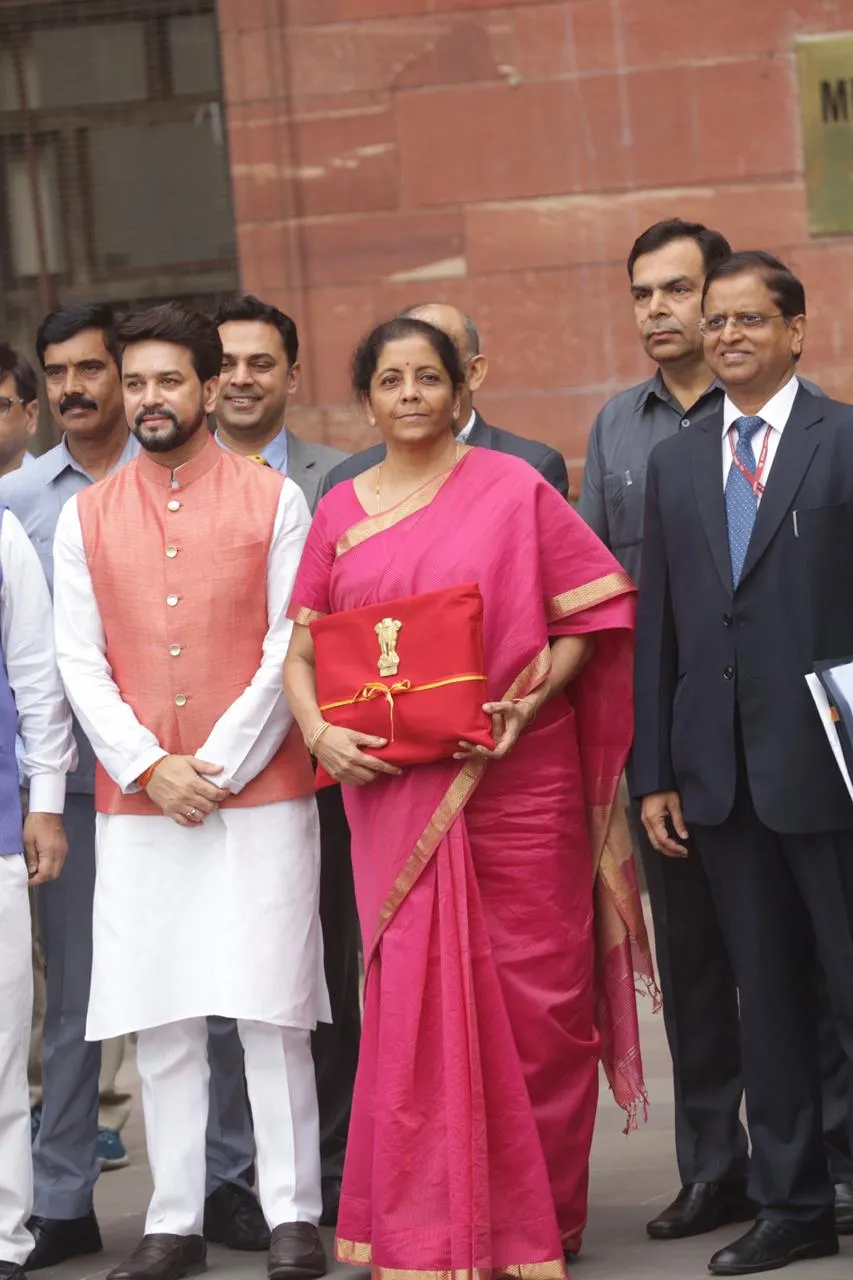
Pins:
x: 408, y: 495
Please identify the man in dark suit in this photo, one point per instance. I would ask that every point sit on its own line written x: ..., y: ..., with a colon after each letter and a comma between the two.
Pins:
x: 474, y: 430
x: 728, y: 744
x: 260, y: 371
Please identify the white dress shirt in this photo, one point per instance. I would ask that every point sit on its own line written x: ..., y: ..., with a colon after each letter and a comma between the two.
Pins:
x: 247, y: 735
x: 44, y: 718
x: 462, y: 436
x: 775, y: 413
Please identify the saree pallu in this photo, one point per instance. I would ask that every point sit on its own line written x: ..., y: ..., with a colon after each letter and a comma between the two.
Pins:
x: 487, y: 1003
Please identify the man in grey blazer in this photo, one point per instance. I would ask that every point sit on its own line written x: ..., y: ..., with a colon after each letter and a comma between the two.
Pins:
x: 475, y: 430
x: 260, y: 371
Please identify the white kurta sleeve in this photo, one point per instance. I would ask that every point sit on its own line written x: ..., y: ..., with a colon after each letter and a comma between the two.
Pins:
x: 246, y: 736
x: 124, y: 747
x: 44, y: 720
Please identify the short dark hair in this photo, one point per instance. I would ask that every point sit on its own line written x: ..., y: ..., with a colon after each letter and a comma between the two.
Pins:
x: 67, y: 322
x: 366, y: 355
x: 715, y: 247
x: 786, y: 289
x: 18, y: 367
x: 248, y: 307
x: 172, y: 322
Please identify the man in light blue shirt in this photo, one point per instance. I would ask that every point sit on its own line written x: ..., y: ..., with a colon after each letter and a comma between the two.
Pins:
x: 260, y: 372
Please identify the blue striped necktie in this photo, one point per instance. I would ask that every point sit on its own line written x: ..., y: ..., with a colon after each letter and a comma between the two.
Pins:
x: 741, y: 499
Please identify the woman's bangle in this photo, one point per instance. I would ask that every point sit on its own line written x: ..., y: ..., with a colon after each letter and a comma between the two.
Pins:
x: 317, y: 735
x: 534, y: 710
x: 144, y: 778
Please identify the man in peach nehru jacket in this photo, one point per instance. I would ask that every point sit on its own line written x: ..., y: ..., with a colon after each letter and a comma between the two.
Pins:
x: 172, y: 579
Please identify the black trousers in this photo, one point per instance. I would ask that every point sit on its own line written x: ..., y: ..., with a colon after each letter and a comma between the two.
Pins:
x: 700, y: 1010
x: 336, y: 1045
x: 785, y: 903
x: 702, y: 1021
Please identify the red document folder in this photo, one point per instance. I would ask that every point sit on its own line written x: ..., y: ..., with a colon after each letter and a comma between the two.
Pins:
x: 409, y: 670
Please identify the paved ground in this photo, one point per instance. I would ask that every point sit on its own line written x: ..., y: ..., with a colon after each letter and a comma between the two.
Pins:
x: 632, y: 1179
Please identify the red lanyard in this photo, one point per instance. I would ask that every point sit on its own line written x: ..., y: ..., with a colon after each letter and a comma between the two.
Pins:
x: 754, y: 479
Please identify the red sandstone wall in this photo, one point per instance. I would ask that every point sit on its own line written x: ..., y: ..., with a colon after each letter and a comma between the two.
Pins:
x: 503, y: 157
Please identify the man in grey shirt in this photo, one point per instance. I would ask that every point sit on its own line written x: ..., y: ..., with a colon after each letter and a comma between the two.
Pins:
x: 667, y: 268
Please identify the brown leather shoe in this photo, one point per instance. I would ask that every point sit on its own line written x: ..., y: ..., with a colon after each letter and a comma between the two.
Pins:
x: 296, y: 1250
x: 163, y: 1257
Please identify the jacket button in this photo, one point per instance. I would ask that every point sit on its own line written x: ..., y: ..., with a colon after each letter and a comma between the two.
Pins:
x: 174, y: 505
x: 181, y: 700
x: 171, y: 601
x: 175, y: 650
x: 727, y: 619
x: 729, y: 673
x: 171, y: 552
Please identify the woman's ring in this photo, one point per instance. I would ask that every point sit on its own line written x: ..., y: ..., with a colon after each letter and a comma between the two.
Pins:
x: 191, y: 813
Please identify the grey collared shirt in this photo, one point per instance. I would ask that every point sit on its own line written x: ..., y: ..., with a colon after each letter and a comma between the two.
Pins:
x: 614, y: 479
x: 36, y: 494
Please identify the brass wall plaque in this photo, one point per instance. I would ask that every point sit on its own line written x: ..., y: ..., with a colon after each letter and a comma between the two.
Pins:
x: 825, y: 67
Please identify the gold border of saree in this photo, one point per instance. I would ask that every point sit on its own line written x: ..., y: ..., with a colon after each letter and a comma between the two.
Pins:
x: 452, y: 803
x: 361, y: 1255
x: 416, y: 501
x: 585, y: 597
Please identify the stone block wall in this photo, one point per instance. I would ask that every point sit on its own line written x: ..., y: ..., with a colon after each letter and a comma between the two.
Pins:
x: 503, y: 156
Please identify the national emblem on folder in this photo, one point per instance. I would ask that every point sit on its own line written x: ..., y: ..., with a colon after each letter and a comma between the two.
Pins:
x: 427, y: 651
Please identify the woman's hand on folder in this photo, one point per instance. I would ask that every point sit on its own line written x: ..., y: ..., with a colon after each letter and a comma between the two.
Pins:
x: 339, y: 752
x: 509, y: 720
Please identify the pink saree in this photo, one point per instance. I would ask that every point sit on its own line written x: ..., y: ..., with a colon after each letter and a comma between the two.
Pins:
x: 498, y: 903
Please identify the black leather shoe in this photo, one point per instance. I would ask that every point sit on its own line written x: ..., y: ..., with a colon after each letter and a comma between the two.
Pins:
x: 57, y: 1239
x: 296, y: 1251
x: 701, y: 1207
x: 331, y: 1202
x: 163, y: 1257
x: 844, y: 1208
x: 767, y: 1246
x: 233, y: 1217
x: 11, y: 1271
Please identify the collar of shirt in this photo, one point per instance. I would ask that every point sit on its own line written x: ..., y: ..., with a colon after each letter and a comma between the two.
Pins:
x: 275, y: 452
x: 462, y: 436
x: 58, y: 460
x: 775, y: 413
x: 658, y: 388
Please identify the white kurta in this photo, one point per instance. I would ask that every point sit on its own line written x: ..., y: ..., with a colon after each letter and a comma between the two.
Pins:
x: 218, y: 919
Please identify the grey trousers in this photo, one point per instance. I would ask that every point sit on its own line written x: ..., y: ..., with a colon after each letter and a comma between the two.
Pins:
x: 64, y: 1159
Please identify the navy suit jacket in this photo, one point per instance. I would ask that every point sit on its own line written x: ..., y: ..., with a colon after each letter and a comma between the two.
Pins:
x: 710, y: 658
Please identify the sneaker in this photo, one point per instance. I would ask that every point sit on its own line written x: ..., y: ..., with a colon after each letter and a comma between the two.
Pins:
x: 110, y: 1150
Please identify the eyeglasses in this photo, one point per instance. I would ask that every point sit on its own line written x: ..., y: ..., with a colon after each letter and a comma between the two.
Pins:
x: 6, y: 403
x: 740, y: 319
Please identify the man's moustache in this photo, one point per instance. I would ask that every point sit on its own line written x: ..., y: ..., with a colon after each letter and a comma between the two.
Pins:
x: 68, y: 403
x: 145, y: 414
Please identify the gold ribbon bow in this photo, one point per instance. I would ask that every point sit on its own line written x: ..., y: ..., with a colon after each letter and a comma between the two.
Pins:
x: 391, y: 691
x: 387, y: 691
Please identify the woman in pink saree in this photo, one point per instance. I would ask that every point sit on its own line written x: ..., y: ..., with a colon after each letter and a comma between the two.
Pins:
x: 499, y: 909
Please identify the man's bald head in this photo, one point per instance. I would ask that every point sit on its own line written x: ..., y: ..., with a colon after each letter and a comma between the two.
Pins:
x: 452, y: 321
x: 465, y: 334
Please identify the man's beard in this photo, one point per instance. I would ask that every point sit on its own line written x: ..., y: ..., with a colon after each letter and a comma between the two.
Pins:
x: 167, y: 441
